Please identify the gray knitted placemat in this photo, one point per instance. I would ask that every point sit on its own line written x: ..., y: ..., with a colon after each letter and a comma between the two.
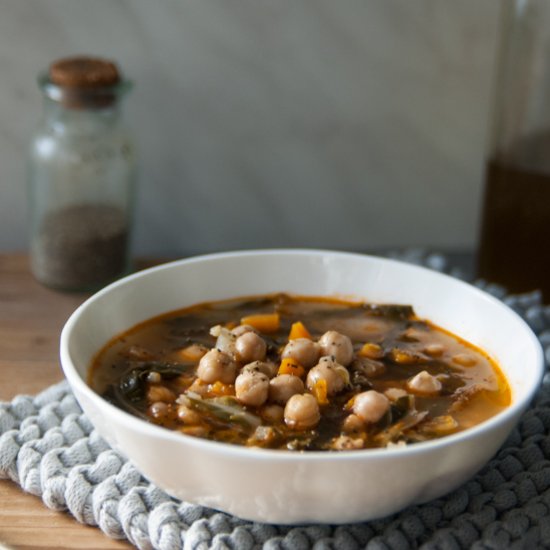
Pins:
x: 49, y: 447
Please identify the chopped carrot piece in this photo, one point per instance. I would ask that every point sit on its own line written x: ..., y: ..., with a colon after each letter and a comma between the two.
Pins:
x: 298, y: 330
x: 219, y: 388
x: 264, y: 322
x: 230, y: 325
x: 371, y: 350
x: 349, y: 405
x: 320, y: 391
x: 291, y: 366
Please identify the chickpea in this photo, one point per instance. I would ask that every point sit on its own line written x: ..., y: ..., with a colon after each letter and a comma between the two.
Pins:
x: 303, y: 350
x: 411, y: 335
x: 440, y: 425
x: 250, y: 347
x: 338, y: 346
x: 216, y: 330
x: 262, y: 436
x: 346, y: 443
x: 265, y: 367
x: 424, y: 383
x: 352, y: 423
x: 302, y: 412
x: 137, y: 353
x: 243, y: 329
x: 283, y: 387
x: 370, y: 406
x: 273, y: 413
x: 160, y: 393
x: 251, y: 388
x: 335, y: 375
x: 154, y: 377
x: 188, y: 415
x: 434, y: 350
x: 369, y: 367
x: 193, y: 353
x: 393, y: 394
x: 464, y: 359
x: 217, y: 365
x: 158, y: 410
x: 195, y: 431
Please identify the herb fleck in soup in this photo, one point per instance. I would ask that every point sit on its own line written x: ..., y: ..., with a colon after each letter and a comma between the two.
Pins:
x: 300, y: 373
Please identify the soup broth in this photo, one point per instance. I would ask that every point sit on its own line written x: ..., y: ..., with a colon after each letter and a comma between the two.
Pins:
x: 300, y: 373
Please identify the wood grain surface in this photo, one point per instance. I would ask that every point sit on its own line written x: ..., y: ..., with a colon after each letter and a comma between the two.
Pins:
x: 31, y: 318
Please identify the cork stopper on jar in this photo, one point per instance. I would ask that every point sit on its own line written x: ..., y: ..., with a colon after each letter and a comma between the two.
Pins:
x: 84, y: 72
x: 85, y: 82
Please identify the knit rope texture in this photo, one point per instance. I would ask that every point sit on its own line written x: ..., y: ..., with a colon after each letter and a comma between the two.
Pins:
x: 49, y: 447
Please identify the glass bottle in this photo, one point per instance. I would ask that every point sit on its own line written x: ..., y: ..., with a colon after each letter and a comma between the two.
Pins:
x: 515, y: 235
x: 81, y: 177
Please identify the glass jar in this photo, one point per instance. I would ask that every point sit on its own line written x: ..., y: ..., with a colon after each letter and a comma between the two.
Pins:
x: 81, y: 177
x: 515, y: 235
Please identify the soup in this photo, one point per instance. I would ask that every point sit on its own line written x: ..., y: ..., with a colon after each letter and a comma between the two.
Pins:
x: 300, y: 373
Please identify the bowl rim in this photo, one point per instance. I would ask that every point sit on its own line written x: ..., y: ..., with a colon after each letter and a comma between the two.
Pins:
x: 79, y: 384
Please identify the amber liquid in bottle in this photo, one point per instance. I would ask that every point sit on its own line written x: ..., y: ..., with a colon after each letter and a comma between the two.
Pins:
x: 515, y: 238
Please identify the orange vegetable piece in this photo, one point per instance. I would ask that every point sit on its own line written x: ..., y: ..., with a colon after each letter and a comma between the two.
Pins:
x: 298, y: 330
x: 349, y: 405
x: 371, y: 350
x: 264, y: 322
x: 320, y: 392
x: 219, y: 388
x: 291, y: 366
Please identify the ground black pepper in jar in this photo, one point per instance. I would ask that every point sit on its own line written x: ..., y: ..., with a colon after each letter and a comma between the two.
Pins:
x: 81, y: 175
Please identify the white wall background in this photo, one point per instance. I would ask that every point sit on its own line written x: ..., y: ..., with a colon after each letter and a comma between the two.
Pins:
x: 352, y: 124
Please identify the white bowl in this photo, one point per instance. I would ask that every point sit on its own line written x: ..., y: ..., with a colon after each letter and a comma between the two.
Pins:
x: 286, y: 487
